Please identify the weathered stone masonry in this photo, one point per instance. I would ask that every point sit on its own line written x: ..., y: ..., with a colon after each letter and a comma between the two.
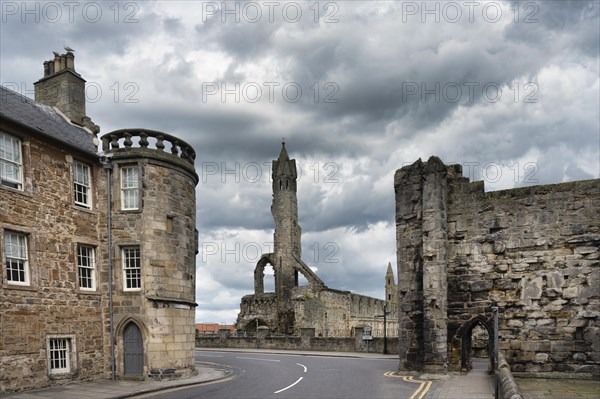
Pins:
x: 533, y: 252
x: 52, y: 301
x: 51, y: 315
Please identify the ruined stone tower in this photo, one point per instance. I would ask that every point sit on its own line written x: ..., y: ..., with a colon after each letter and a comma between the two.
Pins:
x: 286, y: 237
x: 292, y: 308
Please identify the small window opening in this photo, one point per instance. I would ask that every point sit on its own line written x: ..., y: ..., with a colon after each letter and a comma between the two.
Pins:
x: 170, y: 222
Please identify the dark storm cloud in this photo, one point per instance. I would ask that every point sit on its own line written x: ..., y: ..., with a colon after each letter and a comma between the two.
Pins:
x: 373, y: 57
x: 243, y: 41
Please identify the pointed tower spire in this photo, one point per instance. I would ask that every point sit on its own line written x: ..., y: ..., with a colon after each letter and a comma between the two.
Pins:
x: 285, y: 172
x: 391, y: 290
x: 389, y: 270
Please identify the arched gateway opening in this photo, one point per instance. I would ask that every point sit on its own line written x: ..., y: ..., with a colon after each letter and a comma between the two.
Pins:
x: 475, y: 337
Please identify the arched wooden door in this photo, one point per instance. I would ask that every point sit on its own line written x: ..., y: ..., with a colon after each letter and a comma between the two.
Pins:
x: 133, y: 349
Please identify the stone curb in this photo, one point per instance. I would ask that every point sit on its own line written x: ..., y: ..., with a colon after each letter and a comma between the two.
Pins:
x: 510, y: 389
x: 230, y: 373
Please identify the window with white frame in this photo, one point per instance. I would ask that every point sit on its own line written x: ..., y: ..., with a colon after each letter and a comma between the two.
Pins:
x: 61, y: 355
x: 82, y: 184
x: 15, y: 254
x: 11, y: 161
x: 86, y: 264
x: 130, y: 193
x: 132, y: 269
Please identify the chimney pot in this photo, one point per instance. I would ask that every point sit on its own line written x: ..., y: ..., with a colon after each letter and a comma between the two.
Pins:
x: 56, y: 63
x: 62, y: 89
x: 70, y: 61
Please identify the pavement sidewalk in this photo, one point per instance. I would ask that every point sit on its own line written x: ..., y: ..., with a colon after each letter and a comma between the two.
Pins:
x: 108, y: 389
x: 476, y: 384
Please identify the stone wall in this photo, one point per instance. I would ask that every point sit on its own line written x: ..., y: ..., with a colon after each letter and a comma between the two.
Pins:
x: 52, y: 305
x: 306, y: 341
x: 334, y: 313
x: 52, y: 301
x: 533, y: 252
x: 164, y: 229
x: 258, y: 307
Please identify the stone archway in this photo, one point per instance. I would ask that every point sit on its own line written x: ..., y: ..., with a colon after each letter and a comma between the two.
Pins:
x: 251, y: 326
x: 259, y: 273
x: 464, y: 339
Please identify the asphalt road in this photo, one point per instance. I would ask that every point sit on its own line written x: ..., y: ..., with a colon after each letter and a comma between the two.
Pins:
x: 262, y: 375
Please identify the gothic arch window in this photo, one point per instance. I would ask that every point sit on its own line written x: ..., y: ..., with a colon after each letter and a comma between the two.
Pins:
x: 259, y: 276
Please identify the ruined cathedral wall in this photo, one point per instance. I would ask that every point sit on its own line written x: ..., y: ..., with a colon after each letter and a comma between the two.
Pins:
x: 258, y: 306
x: 326, y: 311
x: 533, y: 252
x: 334, y: 313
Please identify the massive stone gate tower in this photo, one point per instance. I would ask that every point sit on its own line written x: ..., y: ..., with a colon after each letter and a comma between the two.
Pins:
x: 534, y: 252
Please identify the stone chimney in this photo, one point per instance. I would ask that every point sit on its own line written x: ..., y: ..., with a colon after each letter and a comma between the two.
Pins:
x: 63, y: 88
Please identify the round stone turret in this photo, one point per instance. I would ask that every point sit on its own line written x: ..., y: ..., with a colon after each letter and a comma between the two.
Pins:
x: 154, y: 240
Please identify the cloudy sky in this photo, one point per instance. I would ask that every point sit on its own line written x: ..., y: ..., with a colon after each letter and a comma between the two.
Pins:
x: 357, y: 88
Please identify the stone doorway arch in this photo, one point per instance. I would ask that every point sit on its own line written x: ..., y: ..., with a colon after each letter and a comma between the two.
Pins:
x: 464, y: 335
x: 133, y: 350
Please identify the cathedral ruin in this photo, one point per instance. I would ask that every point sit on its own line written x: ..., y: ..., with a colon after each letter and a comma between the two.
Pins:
x: 330, y: 312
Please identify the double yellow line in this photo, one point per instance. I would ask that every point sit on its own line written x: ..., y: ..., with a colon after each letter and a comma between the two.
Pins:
x: 423, y: 385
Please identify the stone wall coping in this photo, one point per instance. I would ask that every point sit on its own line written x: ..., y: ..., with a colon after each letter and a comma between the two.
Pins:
x: 508, y: 387
x: 172, y: 300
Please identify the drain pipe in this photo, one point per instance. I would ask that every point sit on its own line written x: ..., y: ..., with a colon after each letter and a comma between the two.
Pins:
x: 107, y: 164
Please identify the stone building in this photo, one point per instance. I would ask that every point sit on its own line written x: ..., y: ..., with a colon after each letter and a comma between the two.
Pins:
x: 533, y: 252
x: 330, y: 312
x: 98, y: 249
